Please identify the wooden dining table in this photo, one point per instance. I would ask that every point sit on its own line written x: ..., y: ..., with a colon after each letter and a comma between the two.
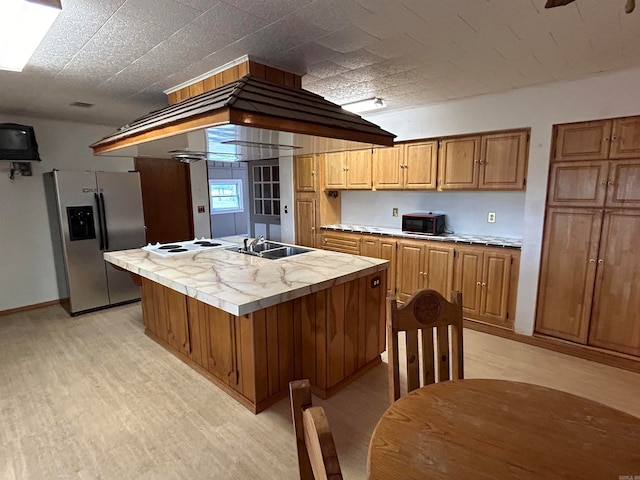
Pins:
x: 481, y: 429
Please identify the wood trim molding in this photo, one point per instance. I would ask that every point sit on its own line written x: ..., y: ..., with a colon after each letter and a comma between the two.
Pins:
x: 605, y: 357
x: 32, y: 307
x: 234, y: 73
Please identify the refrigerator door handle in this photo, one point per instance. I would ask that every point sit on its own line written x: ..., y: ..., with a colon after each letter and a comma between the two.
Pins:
x: 99, y: 221
x: 104, y: 223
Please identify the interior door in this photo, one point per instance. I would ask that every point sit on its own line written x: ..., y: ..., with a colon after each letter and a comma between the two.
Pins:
x: 166, y: 197
x: 264, y: 180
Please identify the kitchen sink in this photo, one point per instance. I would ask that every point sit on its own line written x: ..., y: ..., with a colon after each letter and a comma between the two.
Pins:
x: 272, y: 250
x: 283, y: 252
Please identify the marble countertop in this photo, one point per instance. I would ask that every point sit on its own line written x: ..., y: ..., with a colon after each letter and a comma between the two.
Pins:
x: 447, y: 237
x: 241, y: 284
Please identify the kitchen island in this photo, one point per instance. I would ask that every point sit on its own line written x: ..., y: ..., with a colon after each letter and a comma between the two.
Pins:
x: 253, y: 324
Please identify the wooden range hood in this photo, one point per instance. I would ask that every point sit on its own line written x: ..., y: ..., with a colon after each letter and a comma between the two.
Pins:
x: 252, y: 119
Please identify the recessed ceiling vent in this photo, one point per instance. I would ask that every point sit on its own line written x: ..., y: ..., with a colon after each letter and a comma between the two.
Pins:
x: 81, y: 104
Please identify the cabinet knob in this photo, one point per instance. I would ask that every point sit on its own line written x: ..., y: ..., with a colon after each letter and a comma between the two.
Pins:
x: 607, y: 139
x: 420, y: 273
x: 610, y: 182
x: 484, y: 284
x: 600, y: 261
x: 313, y: 172
x: 313, y: 229
x: 478, y: 283
x: 603, y: 183
x: 477, y: 161
x: 592, y: 260
x: 614, y: 138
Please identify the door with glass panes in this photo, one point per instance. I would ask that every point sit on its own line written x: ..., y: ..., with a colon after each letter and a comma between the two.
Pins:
x: 264, y: 180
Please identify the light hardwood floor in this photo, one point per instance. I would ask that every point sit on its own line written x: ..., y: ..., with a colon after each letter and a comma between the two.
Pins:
x: 92, y: 397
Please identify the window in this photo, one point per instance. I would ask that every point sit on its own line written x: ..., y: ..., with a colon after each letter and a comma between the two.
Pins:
x: 266, y: 190
x: 226, y: 196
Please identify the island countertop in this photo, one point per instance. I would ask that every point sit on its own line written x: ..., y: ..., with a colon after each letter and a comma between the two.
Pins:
x: 240, y: 284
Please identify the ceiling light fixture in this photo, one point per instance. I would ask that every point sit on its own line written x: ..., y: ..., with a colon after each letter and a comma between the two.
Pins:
x: 364, y: 105
x: 23, y: 25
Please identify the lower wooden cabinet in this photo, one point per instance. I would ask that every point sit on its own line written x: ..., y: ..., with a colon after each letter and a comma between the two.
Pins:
x: 341, y: 242
x: 385, y: 248
x: 424, y: 265
x: 330, y: 337
x: 483, y: 275
x: 589, y: 281
x: 305, y: 221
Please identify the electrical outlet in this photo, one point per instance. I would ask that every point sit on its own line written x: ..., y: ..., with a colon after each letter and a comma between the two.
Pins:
x: 395, y: 212
x: 491, y: 217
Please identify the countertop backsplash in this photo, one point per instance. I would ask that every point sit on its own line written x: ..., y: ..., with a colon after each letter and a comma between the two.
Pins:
x: 466, y: 212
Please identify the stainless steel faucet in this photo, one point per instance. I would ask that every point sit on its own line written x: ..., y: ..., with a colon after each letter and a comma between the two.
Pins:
x: 255, y: 242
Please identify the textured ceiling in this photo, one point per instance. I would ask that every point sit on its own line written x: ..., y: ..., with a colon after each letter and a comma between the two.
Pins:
x: 121, y: 54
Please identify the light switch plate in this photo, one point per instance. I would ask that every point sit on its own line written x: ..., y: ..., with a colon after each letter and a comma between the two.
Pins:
x: 491, y: 217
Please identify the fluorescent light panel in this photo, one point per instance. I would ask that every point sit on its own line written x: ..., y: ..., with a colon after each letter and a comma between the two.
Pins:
x: 364, y: 105
x: 23, y: 25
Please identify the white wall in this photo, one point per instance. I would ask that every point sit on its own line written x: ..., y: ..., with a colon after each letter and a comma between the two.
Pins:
x: 602, y: 96
x: 27, y: 270
x: 466, y: 212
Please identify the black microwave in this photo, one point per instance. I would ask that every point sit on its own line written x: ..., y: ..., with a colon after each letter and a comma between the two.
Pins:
x: 425, y: 223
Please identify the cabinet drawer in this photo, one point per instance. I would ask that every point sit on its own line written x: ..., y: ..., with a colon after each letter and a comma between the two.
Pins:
x: 344, y: 243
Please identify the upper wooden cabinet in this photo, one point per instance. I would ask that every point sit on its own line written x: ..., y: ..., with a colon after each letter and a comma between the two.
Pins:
x: 409, y: 166
x: 496, y: 161
x: 458, y: 163
x: 348, y: 170
x: 305, y: 171
x: 602, y: 139
x: 595, y: 183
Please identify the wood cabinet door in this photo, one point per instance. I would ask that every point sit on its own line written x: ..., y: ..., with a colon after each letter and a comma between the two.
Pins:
x: 583, y: 141
x: 625, y: 138
x: 359, y: 169
x: 221, y: 355
x: 458, y: 163
x: 388, y: 166
x: 420, y: 165
x: 410, y: 273
x: 496, y: 274
x: 388, y: 251
x: 503, y: 161
x: 370, y: 247
x: 305, y: 169
x: 468, y: 275
x: 567, y: 272
x: 438, y: 269
x: 615, y: 321
x: 623, y: 186
x: 306, y: 222
x: 578, y: 184
x: 335, y: 170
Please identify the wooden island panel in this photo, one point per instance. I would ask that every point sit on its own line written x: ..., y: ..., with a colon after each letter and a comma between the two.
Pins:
x: 330, y: 337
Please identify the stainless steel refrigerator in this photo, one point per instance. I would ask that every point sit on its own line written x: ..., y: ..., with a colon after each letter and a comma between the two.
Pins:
x: 91, y: 213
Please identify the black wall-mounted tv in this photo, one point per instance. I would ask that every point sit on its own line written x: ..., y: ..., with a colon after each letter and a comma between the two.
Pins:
x: 18, y: 143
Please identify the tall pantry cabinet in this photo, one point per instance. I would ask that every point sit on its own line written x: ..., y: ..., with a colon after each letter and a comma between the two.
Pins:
x: 590, y: 272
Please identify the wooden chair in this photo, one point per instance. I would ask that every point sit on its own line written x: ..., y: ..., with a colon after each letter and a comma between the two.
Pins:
x: 317, y: 456
x: 428, y: 312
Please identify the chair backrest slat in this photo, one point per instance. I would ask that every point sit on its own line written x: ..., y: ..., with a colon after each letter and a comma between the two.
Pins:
x: 425, y: 311
x: 317, y: 456
x: 428, y: 364
x: 413, y: 360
